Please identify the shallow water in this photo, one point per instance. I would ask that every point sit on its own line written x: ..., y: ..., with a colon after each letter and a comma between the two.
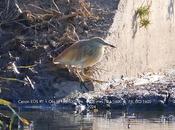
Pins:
x: 104, y: 120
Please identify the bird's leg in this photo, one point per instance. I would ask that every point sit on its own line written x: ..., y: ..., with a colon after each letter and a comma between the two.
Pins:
x: 77, y: 73
x: 82, y: 82
x: 79, y: 76
x: 74, y: 71
x: 92, y: 79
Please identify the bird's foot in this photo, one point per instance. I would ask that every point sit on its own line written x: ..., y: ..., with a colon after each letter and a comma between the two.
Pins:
x: 82, y: 85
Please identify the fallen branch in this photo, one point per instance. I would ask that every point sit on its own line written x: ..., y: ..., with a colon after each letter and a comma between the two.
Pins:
x: 26, y: 67
x: 13, y: 79
x: 30, y: 82
x: 39, y: 8
x: 53, y: 1
x: 68, y: 16
x: 21, y: 81
x: 60, y: 18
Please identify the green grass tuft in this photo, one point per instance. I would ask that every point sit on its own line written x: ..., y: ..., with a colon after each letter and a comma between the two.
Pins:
x: 144, y: 23
x: 143, y: 13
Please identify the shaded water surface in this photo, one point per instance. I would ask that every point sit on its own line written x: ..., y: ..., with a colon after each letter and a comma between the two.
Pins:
x: 108, y: 120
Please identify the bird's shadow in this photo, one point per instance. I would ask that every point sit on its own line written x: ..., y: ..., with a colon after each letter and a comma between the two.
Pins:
x: 63, y: 83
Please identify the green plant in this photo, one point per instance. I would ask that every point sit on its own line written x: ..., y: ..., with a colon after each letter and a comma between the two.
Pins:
x: 144, y: 23
x: 12, y: 120
x: 14, y: 115
x: 143, y: 13
x: 1, y: 124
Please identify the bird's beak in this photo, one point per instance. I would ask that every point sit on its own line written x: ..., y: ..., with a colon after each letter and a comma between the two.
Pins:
x: 107, y: 44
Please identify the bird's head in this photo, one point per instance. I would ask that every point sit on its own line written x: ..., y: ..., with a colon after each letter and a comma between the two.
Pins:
x: 100, y: 41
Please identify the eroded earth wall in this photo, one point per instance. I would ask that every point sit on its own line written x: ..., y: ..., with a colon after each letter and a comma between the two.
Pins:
x: 140, y: 49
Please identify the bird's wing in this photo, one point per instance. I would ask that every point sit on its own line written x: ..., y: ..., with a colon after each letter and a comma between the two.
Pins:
x: 71, y: 55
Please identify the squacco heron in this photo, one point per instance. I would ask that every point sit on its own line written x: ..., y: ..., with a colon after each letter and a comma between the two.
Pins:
x: 83, y: 54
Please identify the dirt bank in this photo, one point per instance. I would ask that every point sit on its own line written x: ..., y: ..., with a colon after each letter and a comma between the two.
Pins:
x: 33, y: 32
x: 140, y: 49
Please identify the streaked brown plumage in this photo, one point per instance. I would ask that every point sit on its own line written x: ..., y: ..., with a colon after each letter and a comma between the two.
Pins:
x: 82, y: 54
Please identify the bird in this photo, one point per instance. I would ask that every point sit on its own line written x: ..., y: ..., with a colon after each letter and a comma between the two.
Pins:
x: 82, y: 54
